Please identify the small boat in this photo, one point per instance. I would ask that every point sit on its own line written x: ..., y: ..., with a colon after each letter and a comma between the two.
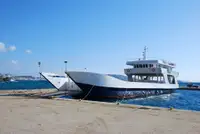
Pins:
x: 145, y: 78
x: 62, y: 83
x: 12, y: 80
x: 5, y: 78
x: 191, y: 85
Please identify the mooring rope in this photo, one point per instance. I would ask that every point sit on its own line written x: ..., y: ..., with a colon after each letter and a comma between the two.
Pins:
x: 124, y: 95
x: 88, y: 93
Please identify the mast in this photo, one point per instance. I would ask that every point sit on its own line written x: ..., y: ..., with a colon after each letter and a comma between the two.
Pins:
x: 144, y: 54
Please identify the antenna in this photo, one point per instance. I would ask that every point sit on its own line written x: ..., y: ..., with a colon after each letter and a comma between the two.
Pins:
x: 144, y: 54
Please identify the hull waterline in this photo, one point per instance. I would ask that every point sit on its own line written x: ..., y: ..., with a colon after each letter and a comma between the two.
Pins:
x: 97, y: 92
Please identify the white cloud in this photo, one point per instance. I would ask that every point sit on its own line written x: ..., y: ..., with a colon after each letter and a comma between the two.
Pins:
x: 14, y: 62
x: 2, y: 47
x: 28, y: 51
x: 12, y: 48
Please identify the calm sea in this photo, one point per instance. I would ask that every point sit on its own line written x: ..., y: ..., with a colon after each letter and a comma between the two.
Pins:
x: 181, y: 99
x: 25, y: 84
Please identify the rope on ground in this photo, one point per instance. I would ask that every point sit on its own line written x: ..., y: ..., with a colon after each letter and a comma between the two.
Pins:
x: 122, y: 98
x: 88, y: 93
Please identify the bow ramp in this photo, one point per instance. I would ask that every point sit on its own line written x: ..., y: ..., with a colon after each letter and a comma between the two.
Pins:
x: 60, y: 82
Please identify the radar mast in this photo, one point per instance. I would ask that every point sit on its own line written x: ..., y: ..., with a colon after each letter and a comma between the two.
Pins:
x: 144, y: 54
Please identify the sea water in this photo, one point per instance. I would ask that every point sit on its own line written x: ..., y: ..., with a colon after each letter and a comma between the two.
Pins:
x: 180, y: 99
x: 25, y: 84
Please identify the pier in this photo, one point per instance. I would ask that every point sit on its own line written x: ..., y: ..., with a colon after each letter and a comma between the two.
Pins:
x: 28, y: 115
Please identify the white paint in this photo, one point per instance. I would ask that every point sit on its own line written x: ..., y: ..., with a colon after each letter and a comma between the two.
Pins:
x: 104, y: 80
x: 61, y: 82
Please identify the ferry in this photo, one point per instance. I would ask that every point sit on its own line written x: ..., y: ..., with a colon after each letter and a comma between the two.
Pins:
x: 62, y: 83
x: 144, y: 78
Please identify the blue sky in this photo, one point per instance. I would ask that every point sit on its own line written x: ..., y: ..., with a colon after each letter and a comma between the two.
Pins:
x: 100, y: 35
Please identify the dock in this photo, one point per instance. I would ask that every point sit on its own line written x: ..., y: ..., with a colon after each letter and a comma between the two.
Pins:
x: 27, y: 115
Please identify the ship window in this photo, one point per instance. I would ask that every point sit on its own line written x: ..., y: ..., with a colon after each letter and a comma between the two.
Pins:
x: 171, y: 79
x: 144, y: 65
x: 140, y: 66
x: 147, y: 78
x: 161, y: 79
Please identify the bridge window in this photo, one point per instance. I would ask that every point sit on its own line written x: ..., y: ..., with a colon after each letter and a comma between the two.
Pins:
x: 171, y: 79
x: 148, y: 78
x: 151, y: 65
x: 143, y: 65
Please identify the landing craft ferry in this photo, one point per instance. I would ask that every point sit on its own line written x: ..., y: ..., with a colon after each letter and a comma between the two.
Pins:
x: 145, y: 78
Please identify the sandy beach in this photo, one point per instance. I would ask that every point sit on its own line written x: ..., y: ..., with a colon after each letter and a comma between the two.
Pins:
x: 21, y: 115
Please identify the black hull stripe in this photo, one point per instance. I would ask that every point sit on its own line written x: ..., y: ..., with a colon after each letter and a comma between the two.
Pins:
x: 104, y: 92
